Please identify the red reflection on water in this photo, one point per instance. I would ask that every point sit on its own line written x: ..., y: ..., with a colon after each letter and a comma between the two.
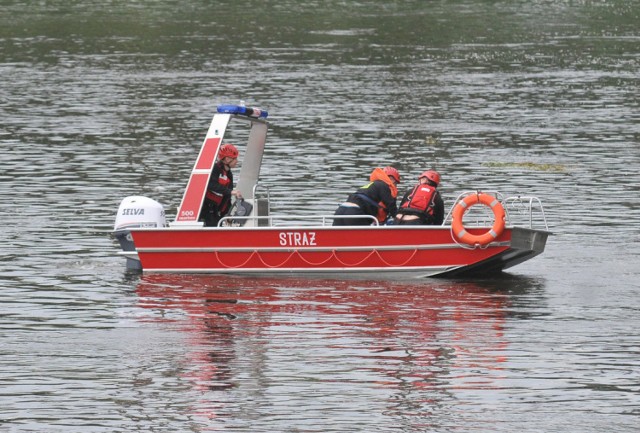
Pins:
x: 435, y: 337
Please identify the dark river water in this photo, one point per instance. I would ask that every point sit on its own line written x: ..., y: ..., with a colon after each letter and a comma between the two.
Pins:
x: 104, y: 99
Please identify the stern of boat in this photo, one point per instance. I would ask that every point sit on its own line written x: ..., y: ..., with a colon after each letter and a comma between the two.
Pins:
x: 135, y: 212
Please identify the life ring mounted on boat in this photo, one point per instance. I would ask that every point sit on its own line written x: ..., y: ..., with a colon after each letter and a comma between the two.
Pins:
x: 457, y: 227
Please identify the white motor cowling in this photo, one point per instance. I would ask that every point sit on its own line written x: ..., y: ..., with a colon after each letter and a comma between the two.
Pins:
x: 137, y: 211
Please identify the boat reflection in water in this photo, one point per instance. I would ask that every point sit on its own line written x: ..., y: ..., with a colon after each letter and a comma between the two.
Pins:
x: 397, y: 349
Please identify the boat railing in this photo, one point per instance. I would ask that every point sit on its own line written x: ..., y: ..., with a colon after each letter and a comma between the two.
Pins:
x: 261, y: 214
x: 262, y: 205
x: 290, y: 220
x: 524, y: 208
x: 520, y: 210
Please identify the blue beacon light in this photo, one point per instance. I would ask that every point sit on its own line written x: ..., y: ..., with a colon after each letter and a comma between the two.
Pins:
x: 242, y: 110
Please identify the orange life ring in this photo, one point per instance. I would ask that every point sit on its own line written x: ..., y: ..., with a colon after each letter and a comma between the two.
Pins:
x: 457, y: 228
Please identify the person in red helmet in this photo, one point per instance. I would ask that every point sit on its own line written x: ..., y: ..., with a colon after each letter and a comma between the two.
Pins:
x: 377, y: 199
x: 217, y: 199
x: 422, y: 204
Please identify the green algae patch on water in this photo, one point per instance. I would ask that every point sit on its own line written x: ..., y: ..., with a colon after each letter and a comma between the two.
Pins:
x: 529, y: 166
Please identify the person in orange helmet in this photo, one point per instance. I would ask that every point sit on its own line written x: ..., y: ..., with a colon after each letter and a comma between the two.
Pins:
x: 377, y: 199
x: 422, y: 204
x: 217, y: 201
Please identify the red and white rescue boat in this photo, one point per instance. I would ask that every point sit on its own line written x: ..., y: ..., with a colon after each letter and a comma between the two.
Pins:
x: 260, y: 243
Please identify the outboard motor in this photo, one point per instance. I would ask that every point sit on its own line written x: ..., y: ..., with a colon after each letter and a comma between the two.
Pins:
x: 136, y: 212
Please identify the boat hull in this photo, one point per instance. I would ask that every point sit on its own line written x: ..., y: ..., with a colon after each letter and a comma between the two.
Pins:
x: 339, y: 252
